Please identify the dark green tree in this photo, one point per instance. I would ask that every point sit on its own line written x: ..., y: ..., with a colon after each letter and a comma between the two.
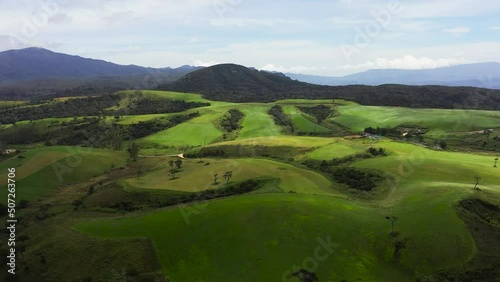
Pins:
x: 477, y: 178
x: 216, y: 178
x: 172, y: 173
x: 228, y: 175
x: 133, y: 151
x: 178, y: 163
x: 393, y: 220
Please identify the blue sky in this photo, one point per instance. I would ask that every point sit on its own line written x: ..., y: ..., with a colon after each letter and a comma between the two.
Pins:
x: 302, y: 36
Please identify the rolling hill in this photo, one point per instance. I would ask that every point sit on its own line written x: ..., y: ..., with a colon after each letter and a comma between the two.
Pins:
x: 235, y: 83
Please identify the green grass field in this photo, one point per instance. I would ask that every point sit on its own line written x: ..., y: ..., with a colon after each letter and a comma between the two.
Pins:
x: 338, y: 149
x: 196, y: 176
x: 301, y: 123
x: 258, y: 122
x: 6, y: 104
x: 427, y: 185
x: 282, y: 140
x: 261, y: 238
x: 198, y: 131
x: 359, y: 117
x: 45, y: 169
x: 263, y: 235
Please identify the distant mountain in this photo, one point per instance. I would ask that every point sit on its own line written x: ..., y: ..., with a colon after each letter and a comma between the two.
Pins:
x: 38, y: 63
x: 484, y: 75
x: 235, y: 83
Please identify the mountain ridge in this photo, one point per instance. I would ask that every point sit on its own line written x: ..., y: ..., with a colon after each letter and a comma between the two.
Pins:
x: 485, y: 75
x: 38, y: 63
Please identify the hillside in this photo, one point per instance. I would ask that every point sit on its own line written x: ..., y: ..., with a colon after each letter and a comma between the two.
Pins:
x: 486, y: 75
x: 229, y: 82
x: 102, y: 173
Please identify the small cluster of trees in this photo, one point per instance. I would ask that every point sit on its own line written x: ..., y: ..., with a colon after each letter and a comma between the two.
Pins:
x: 174, y: 167
x: 231, y: 122
x: 280, y: 118
x: 320, y: 112
x: 383, y: 131
x: 227, y: 176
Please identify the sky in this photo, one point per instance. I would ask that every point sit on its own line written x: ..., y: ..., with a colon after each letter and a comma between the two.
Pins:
x: 331, y: 38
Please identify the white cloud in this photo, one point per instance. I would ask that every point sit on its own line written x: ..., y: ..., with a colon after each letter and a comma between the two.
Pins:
x: 201, y: 63
x: 244, y: 22
x: 291, y: 69
x: 494, y: 27
x: 457, y: 31
x: 405, y: 62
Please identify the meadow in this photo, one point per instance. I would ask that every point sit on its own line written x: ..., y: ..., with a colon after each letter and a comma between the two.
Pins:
x: 303, y: 218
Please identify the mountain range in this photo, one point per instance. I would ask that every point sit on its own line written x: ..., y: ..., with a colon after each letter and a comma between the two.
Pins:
x: 484, y: 75
x: 37, y: 67
x: 44, y: 66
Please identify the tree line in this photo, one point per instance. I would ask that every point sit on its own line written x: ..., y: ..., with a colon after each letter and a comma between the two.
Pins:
x: 94, y: 106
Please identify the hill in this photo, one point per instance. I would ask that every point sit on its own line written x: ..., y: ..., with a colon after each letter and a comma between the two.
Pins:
x: 229, y: 82
x: 486, y: 75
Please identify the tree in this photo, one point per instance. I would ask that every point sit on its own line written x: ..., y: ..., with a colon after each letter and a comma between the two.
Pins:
x: 477, y: 178
x: 172, y: 173
x: 216, y: 177
x: 91, y: 189
x: 393, y: 220
x: 178, y: 163
x: 228, y: 175
x: 443, y: 144
x: 133, y: 151
x: 496, y: 160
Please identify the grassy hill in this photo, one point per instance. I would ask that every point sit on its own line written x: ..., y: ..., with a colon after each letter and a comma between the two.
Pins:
x: 229, y: 82
x: 287, y: 196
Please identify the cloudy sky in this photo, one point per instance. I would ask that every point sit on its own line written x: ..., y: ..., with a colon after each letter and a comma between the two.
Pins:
x: 336, y: 37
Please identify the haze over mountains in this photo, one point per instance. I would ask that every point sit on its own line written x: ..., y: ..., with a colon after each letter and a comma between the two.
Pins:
x: 47, y: 67
x: 43, y: 65
x: 484, y: 75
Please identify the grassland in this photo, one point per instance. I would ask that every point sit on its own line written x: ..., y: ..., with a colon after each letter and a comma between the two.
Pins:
x: 359, y: 117
x: 197, y: 176
x: 258, y: 123
x: 301, y: 123
x: 338, y: 149
x: 261, y: 236
x: 425, y: 185
x: 198, y: 131
x: 45, y: 169
x: 7, y: 104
